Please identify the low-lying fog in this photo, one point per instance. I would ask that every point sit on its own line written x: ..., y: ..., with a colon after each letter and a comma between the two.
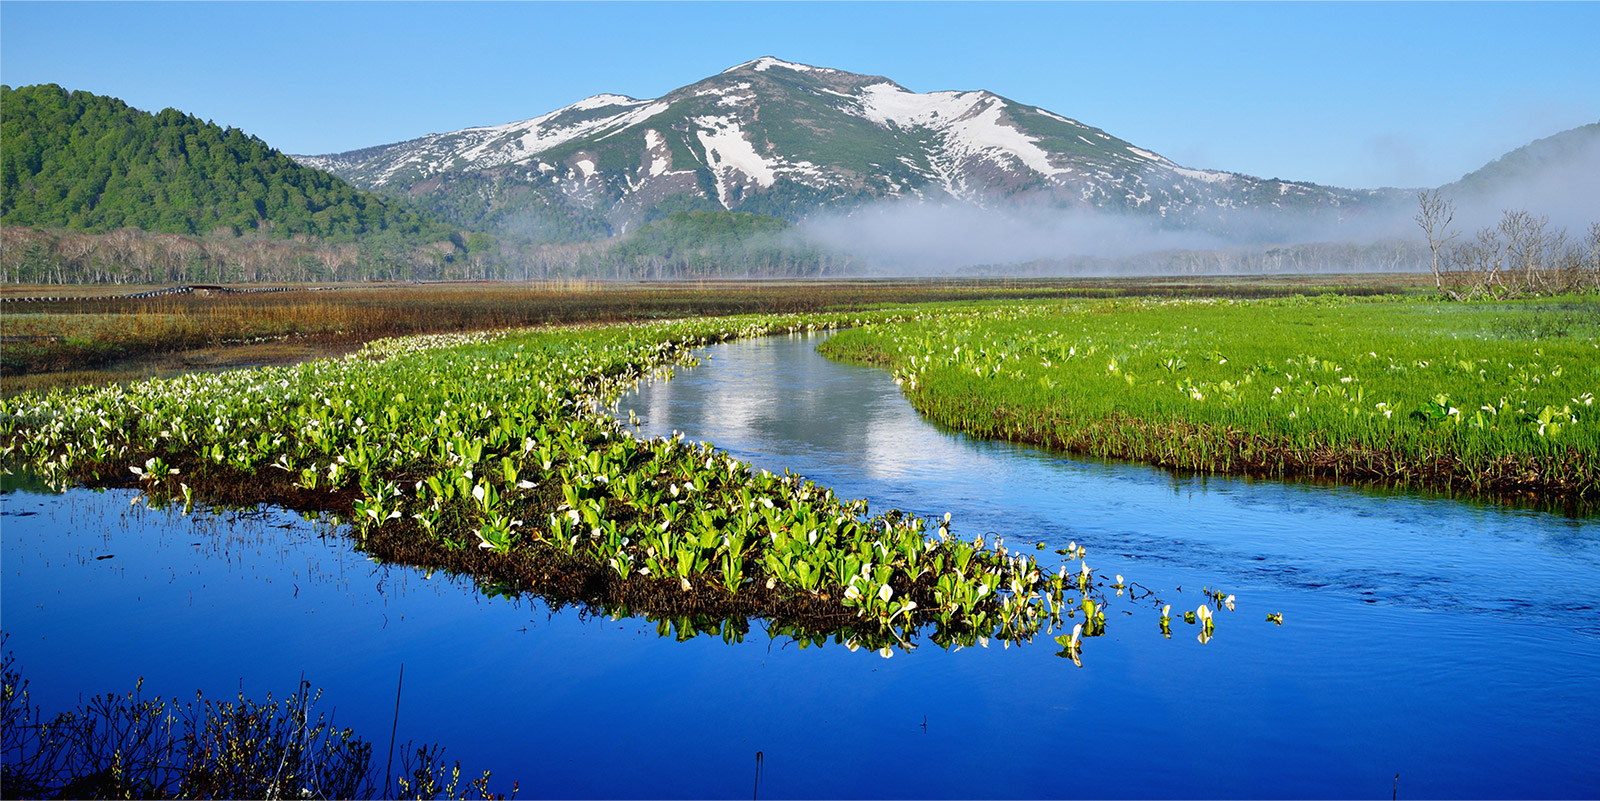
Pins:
x: 912, y: 237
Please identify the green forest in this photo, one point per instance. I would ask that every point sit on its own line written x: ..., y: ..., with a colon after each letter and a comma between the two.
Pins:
x: 81, y: 161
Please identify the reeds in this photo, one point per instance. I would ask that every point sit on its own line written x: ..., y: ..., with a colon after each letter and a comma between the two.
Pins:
x: 129, y: 745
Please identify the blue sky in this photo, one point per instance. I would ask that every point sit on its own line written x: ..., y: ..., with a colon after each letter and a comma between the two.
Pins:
x: 1360, y: 94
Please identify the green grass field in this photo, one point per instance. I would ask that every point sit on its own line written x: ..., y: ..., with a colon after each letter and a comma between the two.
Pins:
x: 1481, y: 397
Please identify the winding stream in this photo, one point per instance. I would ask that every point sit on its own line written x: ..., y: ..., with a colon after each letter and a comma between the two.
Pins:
x: 1454, y: 644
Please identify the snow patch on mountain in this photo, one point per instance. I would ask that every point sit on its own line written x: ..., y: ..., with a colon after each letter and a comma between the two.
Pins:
x: 325, y: 163
x: 1145, y: 154
x: 972, y: 121
x: 801, y: 171
x: 886, y: 104
x: 985, y: 131
x: 728, y: 151
x: 1209, y: 176
x: 768, y: 62
x: 493, y: 146
x: 660, y: 157
x: 416, y: 160
x: 602, y: 101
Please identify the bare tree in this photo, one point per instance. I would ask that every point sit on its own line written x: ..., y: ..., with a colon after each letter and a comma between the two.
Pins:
x: 1530, y: 251
x: 78, y: 251
x: 1520, y: 255
x: 1480, y: 261
x: 1588, y: 261
x: 1577, y: 265
x: 1434, y: 217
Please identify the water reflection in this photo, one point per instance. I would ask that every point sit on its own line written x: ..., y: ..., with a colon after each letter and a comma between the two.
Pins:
x: 849, y: 428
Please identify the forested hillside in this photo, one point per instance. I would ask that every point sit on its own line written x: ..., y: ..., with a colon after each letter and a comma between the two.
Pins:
x: 81, y: 161
x: 93, y: 190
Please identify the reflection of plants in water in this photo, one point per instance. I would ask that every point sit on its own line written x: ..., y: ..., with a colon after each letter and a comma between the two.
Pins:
x: 1066, y: 599
x: 131, y: 746
x: 435, y: 445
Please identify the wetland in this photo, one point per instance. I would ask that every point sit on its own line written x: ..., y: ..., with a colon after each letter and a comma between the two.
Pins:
x: 1420, y: 633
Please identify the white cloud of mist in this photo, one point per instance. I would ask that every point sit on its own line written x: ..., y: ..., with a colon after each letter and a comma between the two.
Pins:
x: 915, y: 238
x: 909, y: 237
x: 903, y: 237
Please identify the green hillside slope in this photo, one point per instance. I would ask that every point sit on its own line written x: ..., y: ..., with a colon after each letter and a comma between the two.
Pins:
x: 86, y: 162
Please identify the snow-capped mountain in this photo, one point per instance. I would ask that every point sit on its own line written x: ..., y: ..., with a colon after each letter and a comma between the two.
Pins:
x: 783, y: 138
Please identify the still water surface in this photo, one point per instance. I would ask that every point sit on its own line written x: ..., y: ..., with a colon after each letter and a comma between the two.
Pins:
x: 1456, y: 645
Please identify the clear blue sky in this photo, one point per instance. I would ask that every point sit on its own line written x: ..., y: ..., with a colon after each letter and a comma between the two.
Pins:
x: 1362, y: 94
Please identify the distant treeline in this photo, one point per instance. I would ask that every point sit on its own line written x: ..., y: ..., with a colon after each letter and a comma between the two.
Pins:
x: 1316, y: 257
x: 82, y: 161
x: 132, y: 256
x: 684, y: 245
x: 703, y: 244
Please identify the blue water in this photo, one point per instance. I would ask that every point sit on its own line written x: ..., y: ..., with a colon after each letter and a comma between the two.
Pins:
x: 1454, y: 644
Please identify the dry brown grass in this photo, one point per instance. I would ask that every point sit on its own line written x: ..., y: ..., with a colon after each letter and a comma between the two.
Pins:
x: 98, y: 339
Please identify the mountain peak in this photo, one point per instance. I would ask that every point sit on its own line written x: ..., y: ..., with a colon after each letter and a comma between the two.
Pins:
x: 603, y: 101
x: 768, y: 62
x: 779, y: 137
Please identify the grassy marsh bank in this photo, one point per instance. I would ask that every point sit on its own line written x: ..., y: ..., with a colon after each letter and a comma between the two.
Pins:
x: 1484, y: 398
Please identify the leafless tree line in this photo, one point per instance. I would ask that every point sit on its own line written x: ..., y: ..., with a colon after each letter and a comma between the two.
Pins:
x: 1520, y: 256
x: 133, y: 256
